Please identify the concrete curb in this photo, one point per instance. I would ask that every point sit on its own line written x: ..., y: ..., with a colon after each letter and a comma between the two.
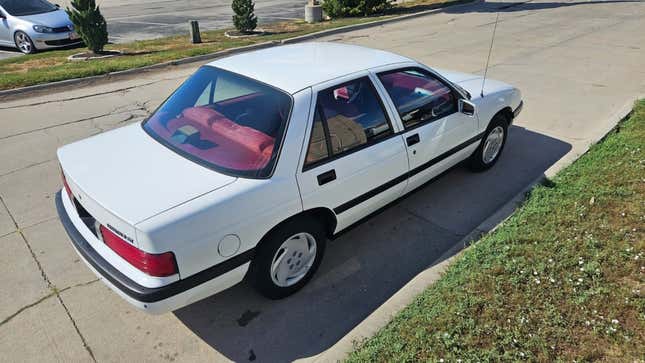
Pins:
x: 113, y: 76
x: 380, y: 317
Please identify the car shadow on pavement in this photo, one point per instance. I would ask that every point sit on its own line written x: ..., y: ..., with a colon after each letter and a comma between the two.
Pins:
x: 367, y: 265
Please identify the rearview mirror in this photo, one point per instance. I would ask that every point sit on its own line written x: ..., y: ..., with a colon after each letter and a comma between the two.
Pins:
x: 466, y: 107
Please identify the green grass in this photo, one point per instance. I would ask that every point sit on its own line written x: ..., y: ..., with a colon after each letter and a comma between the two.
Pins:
x: 561, y: 280
x: 53, y: 66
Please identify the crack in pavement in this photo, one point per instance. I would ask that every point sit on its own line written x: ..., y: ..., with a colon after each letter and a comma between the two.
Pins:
x: 25, y: 167
x: 55, y: 292
x: 111, y: 112
x: 90, y: 95
x: 429, y: 221
x: 8, y: 319
x: 52, y: 293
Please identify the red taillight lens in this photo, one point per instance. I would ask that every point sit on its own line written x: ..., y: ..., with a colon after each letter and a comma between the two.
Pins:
x: 153, y: 264
x: 67, y: 189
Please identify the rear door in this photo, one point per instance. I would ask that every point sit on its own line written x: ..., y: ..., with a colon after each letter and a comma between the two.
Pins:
x: 436, y: 135
x: 354, y: 160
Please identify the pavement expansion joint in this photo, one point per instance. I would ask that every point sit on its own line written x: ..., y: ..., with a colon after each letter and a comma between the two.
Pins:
x: 434, y: 224
x: 49, y: 284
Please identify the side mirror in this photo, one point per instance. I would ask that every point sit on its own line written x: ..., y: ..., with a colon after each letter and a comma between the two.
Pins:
x: 466, y: 107
x: 57, y: 5
x: 2, y: 16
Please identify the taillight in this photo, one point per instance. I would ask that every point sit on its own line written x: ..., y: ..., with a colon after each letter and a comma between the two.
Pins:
x: 153, y: 264
x: 67, y: 188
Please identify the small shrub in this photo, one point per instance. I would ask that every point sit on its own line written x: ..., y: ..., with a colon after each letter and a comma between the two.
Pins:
x: 346, y: 8
x: 89, y: 23
x: 244, y: 19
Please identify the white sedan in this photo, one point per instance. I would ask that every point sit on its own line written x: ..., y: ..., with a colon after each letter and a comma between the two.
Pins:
x: 259, y: 158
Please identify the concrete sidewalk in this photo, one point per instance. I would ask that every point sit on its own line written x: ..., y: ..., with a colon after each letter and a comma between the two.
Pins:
x: 577, y: 63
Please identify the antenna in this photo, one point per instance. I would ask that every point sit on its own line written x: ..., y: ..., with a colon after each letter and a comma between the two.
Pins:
x: 489, y: 53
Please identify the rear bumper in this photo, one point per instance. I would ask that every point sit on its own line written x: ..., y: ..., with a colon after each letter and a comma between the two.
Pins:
x: 153, y: 300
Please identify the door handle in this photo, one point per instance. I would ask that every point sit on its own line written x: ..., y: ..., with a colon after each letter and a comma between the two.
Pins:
x: 327, y: 177
x: 414, y: 139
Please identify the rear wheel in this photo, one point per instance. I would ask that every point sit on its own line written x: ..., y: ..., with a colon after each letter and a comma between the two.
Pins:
x: 287, y: 258
x: 492, y: 144
x: 24, y: 43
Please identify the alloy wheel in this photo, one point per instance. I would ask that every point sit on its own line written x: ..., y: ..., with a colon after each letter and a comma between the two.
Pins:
x: 24, y: 43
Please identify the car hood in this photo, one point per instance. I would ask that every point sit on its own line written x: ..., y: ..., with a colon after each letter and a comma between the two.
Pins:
x: 134, y: 177
x: 473, y: 83
x: 52, y: 19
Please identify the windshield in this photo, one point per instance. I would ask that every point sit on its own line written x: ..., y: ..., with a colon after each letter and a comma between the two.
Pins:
x: 27, y: 7
x: 225, y: 121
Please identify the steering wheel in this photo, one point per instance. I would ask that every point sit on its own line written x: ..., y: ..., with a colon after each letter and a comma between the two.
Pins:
x: 439, y: 108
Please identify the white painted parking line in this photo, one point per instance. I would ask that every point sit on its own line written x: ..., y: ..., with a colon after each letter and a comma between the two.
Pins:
x: 126, y: 18
x: 144, y: 23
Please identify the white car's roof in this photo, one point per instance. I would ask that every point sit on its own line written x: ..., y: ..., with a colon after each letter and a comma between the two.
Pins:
x: 295, y: 67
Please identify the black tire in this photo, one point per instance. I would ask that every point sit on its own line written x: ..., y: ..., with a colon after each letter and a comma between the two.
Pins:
x: 24, y: 43
x: 260, y: 269
x: 477, y: 161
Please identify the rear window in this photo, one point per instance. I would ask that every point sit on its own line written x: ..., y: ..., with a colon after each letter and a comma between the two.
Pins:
x: 224, y: 121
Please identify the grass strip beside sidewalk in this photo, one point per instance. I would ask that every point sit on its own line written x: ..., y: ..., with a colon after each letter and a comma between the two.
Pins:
x: 51, y: 66
x: 562, y: 279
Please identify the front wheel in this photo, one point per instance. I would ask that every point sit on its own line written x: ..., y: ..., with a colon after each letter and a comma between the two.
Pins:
x: 287, y: 258
x: 491, y: 146
x: 24, y: 43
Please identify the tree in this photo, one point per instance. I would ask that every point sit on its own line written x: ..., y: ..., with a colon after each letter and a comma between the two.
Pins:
x: 244, y: 19
x: 344, y: 8
x: 89, y: 24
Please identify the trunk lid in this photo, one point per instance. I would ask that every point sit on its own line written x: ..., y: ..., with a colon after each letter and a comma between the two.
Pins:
x: 134, y: 177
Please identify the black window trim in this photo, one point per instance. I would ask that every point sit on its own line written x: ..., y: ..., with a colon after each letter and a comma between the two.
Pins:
x: 331, y: 156
x: 458, y: 95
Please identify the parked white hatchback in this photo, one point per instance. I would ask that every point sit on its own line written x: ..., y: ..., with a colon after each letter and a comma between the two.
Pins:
x: 259, y: 158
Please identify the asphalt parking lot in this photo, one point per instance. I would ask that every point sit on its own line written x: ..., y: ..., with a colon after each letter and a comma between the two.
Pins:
x: 149, y: 19
x: 577, y: 63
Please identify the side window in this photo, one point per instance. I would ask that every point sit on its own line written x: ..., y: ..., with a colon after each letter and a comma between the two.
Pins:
x: 418, y: 96
x: 353, y: 114
x: 318, y: 143
x: 347, y: 117
x: 206, y: 98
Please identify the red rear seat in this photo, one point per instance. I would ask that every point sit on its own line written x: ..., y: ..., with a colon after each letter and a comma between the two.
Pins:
x: 238, y: 147
x: 227, y: 131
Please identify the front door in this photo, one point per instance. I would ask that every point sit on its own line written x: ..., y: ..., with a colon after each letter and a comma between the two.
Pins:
x: 436, y: 134
x: 355, y: 161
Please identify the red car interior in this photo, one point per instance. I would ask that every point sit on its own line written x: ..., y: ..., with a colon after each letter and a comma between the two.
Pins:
x: 228, y: 144
x: 402, y: 83
x: 407, y: 81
